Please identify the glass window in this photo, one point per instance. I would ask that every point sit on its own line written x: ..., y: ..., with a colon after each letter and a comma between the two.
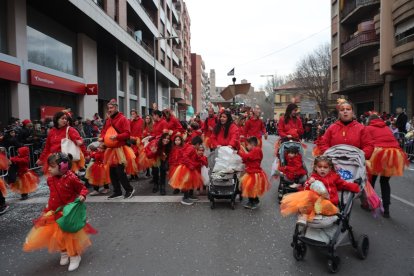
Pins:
x: 165, y: 98
x: 121, y: 104
x: 47, y: 51
x: 3, y: 29
x: 132, y: 84
x: 120, y: 76
x: 133, y: 105
x: 143, y: 86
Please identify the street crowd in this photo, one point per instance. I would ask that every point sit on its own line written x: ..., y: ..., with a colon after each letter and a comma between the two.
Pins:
x: 174, y: 153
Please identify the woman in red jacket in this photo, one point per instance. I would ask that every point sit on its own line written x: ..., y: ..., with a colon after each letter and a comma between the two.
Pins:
x: 208, y: 127
x: 290, y: 120
x: 173, y: 124
x: 54, y: 138
x: 225, y: 133
x: 347, y: 131
x: 387, y: 160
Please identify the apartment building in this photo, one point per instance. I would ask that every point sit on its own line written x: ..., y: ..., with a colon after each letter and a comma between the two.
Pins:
x: 199, y: 82
x: 81, y: 58
x: 373, y: 53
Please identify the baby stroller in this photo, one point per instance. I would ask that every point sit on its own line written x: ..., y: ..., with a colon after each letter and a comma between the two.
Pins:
x: 284, y: 182
x: 329, y: 232
x: 223, y: 184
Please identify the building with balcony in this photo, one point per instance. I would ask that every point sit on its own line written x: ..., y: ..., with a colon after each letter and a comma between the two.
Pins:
x: 199, y: 82
x: 373, y: 53
x: 81, y: 58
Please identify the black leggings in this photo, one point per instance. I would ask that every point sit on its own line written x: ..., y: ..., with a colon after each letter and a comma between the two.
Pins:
x: 385, y: 189
x: 118, y: 178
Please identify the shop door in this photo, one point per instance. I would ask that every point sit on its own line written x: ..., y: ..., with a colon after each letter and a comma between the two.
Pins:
x: 399, y: 95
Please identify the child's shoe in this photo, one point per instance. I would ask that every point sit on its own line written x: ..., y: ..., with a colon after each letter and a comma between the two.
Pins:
x: 187, y: 201
x: 176, y: 191
x: 74, y: 263
x: 3, y: 209
x: 248, y: 205
x: 193, y: 198
x: 104, y: 191
x: 24, y: 197
x: 94, y: 193
x: 64, y: 258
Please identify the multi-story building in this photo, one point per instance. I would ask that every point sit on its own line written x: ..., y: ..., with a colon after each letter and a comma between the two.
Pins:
x: 372, y: 53
x: 51, y: 59
x: 199, y: 82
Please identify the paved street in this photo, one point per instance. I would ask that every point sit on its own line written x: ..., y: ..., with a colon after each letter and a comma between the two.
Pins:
x: 154, y: 235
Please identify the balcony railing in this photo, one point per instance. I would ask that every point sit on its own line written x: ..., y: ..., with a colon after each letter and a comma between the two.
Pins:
x: 364, y: 78
x: 360, y: 39
x: 351, y: 5
x: 147, y: 48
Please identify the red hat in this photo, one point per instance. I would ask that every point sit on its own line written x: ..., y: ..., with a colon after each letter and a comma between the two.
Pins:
x: 23, y: 151
x: 26, y: 122
x: 113, y: 102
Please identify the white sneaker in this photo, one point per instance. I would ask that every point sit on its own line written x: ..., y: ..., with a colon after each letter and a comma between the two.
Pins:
x: 74, y: 263
x: 94, y: 193
x: 64, y: 258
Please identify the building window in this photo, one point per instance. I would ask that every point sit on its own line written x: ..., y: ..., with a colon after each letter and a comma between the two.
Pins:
x: 165, y: 98
x: 162, y: 56
x: 132, y: 84
x: 143, y: 86
x: 335, y: 41
x: 404, y: 32
x: 120, y: 76
x: 335, y: 74
x: 121, y: 104
x: 162, y: 29
x: 133, y: 105
x: 3, y: 29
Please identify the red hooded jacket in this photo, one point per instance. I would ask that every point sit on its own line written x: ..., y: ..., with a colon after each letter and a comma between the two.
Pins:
x: 209, y: 126
x: 232, y: 138
x: 191, y: 159
x: 137, y: 127
x: 354, y: 134
x: 381, y: 134
x: 254, y: 127
x: 294, y: 167
x: 176, y: 155
x: 121, y: 125
x: 54, y: 139
x: 252, y: 159
x: 174, y: 125
x: 22, y: 160
x: 333, y: 183
x: 158, y: 127
x: 283, y: 127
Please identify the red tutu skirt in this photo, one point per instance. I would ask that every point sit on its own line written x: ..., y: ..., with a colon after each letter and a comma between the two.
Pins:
x: 26, y: 183
x: 3, y: 188
x: 171, y: 171
x: 387, y: 162
x: 185, y: 179
x: 76, y: 165
x: 122, y: 155
x: 307, y: 203
x: 143, y: 162
x: 254, y: 184
x: 46, y: 233
x: 98, y: 174
x: 4, y: 162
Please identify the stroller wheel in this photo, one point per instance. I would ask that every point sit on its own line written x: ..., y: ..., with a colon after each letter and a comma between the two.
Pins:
x: 299, y: 251
x: 362, y: 247
x: 333, y: 264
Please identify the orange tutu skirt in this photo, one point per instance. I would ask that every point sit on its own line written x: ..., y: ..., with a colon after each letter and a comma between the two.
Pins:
x: 171, y: 171
x: 122, y: 155
x: 307, y: 203
x: 254, y: 184
x: 47, y: 234
x: 387, y: 162
x: 185, y: 179
x: 26, y: 183
x: 4, y: 162
x: 76, y: 165
x: 143, y: 162
x: 3, y: 188
x: 97, y: 174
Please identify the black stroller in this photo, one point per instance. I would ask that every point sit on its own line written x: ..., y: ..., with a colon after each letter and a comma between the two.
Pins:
x: 330, y: 232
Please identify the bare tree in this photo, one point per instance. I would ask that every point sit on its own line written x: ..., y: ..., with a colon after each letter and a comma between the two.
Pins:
x: 313, y: 73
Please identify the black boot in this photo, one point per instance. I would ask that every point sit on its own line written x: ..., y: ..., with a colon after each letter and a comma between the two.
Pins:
x: 162, y: 190
x: 155, y: 188
x: 386, y: 212
x: 176, y: 191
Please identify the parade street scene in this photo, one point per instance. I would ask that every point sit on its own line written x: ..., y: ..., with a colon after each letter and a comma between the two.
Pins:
x: 177, y: 137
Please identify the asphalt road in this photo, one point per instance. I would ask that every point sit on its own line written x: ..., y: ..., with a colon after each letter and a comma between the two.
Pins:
x: 154, y: 235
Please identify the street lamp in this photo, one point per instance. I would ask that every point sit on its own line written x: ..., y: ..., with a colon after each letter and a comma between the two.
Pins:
x: 155, y: 62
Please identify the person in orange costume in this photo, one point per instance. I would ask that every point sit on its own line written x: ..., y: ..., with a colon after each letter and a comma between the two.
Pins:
x: 209, y: 125
x: 137, y: 126
x: 254, y: 182
x: 97, y: 172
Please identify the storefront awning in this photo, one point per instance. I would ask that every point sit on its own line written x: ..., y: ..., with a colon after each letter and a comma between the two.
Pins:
x: 9, y: 71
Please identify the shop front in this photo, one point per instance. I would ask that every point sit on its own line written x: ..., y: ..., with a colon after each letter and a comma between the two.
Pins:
x: 9, y: 73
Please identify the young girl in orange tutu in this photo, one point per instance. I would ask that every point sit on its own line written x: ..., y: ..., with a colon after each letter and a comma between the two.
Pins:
x: 254, y: 182
x: 64, y: 188
x: 175, y: 156
x: 4, y: 166
x: 4, y: 161
x: 320, y: 195
x: 97, y: 173
x: 26, y: 180
x: 187, y: 176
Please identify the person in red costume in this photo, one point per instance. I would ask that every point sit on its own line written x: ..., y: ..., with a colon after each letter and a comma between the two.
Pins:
x: 193, y: 132
x: 175, y: 155
x: 54, y: 138
x: 160, y: 124
x: 293, y: 170
x: 254, y: 127
x: 137, y: 126
x: 97, y: 172
x: 119, y: 157
x: 254, y: 182
x: 387, y: 160
x: 290, y: 120
x: 64, y: 188
x: 347, y: 131
x: 208, y: 128
x: 27, y: 180
x: 225, y: 133
x: 173, y: 124
x: 198, y: 121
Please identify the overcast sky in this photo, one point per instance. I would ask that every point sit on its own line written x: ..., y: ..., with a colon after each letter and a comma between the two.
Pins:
x: 250, y: 35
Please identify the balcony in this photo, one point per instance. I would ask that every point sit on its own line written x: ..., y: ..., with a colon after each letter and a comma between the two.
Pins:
x: 178, y: 73
x: 354, y: 10
x: 359, y: 43
x: 177, y: 93
x: 361, y: 79
x: 402, y: 55
x: 133, y: 33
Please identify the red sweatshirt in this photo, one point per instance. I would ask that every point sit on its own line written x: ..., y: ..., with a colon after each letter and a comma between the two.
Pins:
x: 209, y: 126
x: 354, y: 134
x: 232, y: 138
x: 136, y: 127
x: 283, y: 127
x: 191, y: 159
x: 294, y: 167
x: 175, y: 156
x: 381, y: 134
x: 252, y: 159
x: 174, y: 125
x: 63, y: 190
x: 334, y: 183
x: 22, y: 163
x: 158, y: 127
x: 121, y: 126
x: 54, y: 139
x: 254, y: 127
